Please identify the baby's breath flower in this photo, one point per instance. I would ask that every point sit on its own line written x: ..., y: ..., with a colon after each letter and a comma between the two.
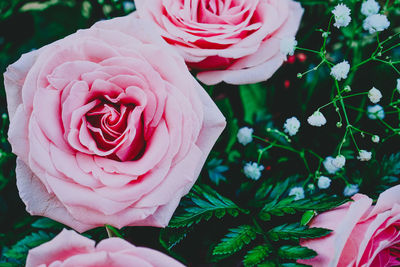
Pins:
x: 128, y: 6
x: 288, y: 45
x: 292, y: 126
x: 375, y: 138
x: 364, y: 155
x: 244, y: 135
x: 374, y: 95
x: 350, y: 190
x: 330, y: 168
x: 340, y: 70
x: 339, y: 161
x: 375, y: 112
x: 342, y: 16
x: 398, y: 85
x: 298, y: 192
x: 252, y: 170
x: 317, y: 119
x: 324, y: 182
x: 376, y: 23
x: 370, y: 7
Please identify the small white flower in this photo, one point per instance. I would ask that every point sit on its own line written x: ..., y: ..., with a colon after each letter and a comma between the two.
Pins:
x: 288, y: 45
x: 292, y: 126
x: 350, y: 190
x: 375, y: 138
x: 298, y: 192
x: 342, y: 16
x: 364, y: 155
x: 245, y: 135
x: 330, y: 168
x: 376, y: 23
x: 340, y: 70
x: 324, y: 182
x: 317, y: 119
x: 339, y: 161
x: 370, y: 7
x: 374, y: 95
x: 398, y: 85
x: 252, y: 170
x: 375, y: 112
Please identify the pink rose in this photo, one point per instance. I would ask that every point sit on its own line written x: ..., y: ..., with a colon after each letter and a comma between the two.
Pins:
x: 109, y: 127
x: 363, y: 235
x: 236, y: 41
x: 68, y: 249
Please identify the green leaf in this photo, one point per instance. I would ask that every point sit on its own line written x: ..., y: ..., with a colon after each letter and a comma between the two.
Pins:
x: 296, y: 252
x: 296, y: 231
x: 216, y: 170
x: 307, y: 217
x: 256, y: 255
x: 391, y: 165
x: 235, y: 240
x: 254, y: 100
x: 202, y: 203
x: 46, y: 223
x: 20, y: 250
x: 289, y: 206
x: 170, y: 237
x: 267, y: 264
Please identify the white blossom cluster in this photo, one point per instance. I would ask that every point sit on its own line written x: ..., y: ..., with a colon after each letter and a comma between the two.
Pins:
x: 317, y: 119
x: 340, y: 70
x: 342, y: 15
x: 245, y: 136
x: 374, y: 95
x: 297, y: 192
x: 291, y: 126
x: 252, y: 170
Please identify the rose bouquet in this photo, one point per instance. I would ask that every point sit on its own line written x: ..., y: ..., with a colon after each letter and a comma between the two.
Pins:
x: 200, y: 133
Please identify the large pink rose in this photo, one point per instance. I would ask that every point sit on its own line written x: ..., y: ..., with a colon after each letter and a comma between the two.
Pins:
x: 109, y: 127
x: 363, y: 235
x: 236, y: 41
x: 68, y: 249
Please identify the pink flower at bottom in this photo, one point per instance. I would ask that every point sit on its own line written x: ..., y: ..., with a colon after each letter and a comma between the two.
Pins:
x: 363, y: 235
x: 71, y: 249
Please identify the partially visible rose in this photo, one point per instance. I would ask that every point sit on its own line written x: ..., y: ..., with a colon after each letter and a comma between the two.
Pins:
x: 236, y: 41
x: 69, y: 249
x: 109, y: 127
x: 363, y: 235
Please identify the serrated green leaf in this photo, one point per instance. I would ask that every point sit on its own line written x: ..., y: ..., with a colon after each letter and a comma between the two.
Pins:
x: 267, y: 264
x: 295, y: 231
x: 307, y: 217
x: 391, y: 165
x: 204, y: 202
x: 289, y: 206
x: 235, y: 239
x: 256, y: 255
x: 20, y: 250
x: 46, y: 223
x: 170, y: 237
x: 296, y: 252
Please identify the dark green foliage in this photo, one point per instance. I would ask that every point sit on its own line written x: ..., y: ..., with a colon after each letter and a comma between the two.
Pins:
x: 19, y: 251
x: 257, y: 255
x: 216, y: 170
x: 235, y: 239
x: 289, y: 206
x: 296, y: 231
x: 296, y: 252
x: 205, y: 203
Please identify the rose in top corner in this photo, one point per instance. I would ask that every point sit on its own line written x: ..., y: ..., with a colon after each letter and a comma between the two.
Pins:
x: 109, y: 127
x: 363, y: 234
x: 235, y: 41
